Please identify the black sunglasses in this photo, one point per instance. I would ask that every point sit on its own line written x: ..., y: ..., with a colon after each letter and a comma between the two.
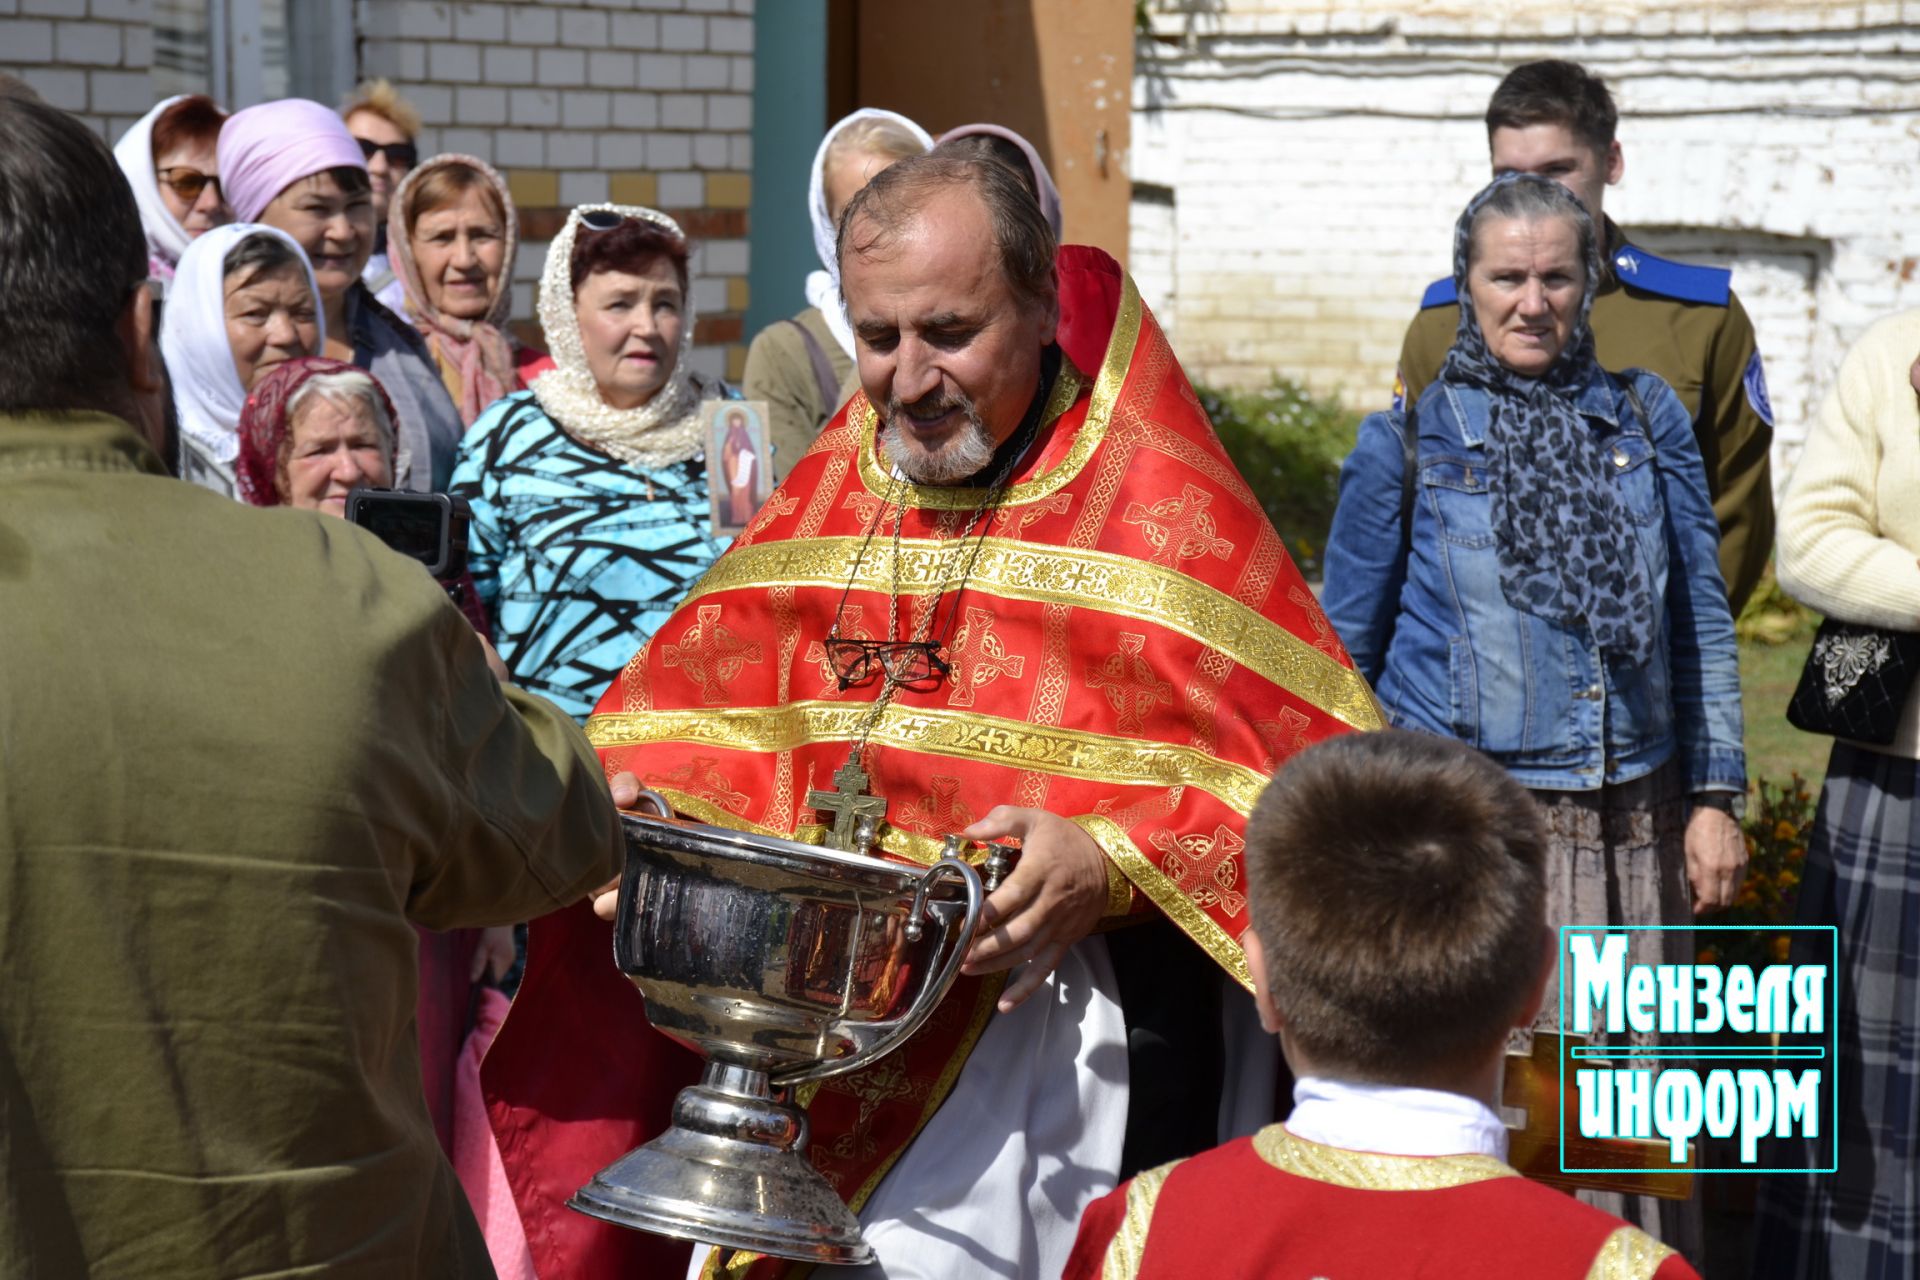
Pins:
x: 601, y: 219
x: 909, y: 662
x: 401, y: 155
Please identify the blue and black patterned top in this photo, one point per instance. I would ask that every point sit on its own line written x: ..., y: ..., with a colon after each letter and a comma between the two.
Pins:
x: 577, y: 555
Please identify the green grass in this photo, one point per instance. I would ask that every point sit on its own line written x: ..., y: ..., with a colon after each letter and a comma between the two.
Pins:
x: 1768, y: 673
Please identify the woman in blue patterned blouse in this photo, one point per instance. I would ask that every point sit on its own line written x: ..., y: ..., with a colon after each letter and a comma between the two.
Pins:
x: 589, y: 491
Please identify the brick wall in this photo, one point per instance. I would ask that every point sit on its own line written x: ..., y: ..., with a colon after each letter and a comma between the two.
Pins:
x: 87, y: 56
x: 638, y: 101
x: 1319, y: 154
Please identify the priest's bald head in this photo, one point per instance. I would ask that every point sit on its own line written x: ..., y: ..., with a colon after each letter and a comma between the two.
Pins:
x: 946, y: 267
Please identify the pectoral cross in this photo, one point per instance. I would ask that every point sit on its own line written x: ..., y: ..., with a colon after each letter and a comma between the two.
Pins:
x: 848, y: 802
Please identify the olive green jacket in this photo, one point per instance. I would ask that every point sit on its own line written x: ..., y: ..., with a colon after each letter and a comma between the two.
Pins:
x: 1707, y: 354
x: 780, y: 371
x: 241, y: 752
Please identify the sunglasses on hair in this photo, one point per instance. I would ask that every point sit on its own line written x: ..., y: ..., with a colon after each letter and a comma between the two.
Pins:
x: 400, y: 155
x: 601, y: 219
x: 187, y: 183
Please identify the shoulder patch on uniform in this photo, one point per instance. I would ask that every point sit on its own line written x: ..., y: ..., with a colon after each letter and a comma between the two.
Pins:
x: 1440, y: 293
x: 1679, y: 280
x: 1755, y: 380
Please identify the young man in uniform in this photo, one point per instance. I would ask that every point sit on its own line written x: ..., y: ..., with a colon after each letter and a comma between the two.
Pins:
x: 1683, y: 322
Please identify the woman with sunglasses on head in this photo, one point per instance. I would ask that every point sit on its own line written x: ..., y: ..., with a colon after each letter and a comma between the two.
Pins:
x: 168, y: 157
x: 385, y: 125
x: 589, y: 490
x: 292, y: 164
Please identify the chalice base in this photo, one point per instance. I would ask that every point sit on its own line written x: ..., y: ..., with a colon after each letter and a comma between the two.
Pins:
x: 730, y: 1172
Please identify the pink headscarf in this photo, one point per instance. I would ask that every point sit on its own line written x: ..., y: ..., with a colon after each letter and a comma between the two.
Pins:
x: 478, y: 351
x: 266, y: 149
x: 1049, y: 195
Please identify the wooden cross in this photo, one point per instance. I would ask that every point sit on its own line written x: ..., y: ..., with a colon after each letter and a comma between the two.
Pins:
x: 848, y: 802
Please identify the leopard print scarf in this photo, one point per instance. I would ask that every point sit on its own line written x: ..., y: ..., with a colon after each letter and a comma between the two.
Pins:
x: 1566, y: 546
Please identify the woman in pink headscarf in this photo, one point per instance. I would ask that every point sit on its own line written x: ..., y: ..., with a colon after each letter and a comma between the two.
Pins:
x: 292, y: 164
x: 452, y: 234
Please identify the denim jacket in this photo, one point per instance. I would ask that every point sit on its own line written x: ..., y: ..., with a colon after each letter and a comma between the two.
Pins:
x: 1448, y: 655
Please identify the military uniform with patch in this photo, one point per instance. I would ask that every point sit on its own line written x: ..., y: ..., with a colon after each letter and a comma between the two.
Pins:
x: 1683, y: 323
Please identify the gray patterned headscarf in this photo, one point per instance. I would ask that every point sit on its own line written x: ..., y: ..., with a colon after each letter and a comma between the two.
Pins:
x: 1565, y: 542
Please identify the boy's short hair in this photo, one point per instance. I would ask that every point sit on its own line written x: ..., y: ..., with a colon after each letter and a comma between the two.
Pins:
x: 1555, y: 92
x: 1397, y: 885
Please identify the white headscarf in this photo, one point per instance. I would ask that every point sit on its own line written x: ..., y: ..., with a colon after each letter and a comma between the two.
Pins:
x: 663, y: 431
x: 823, y: 287
x: 166, y: 238
x: 207, y: 394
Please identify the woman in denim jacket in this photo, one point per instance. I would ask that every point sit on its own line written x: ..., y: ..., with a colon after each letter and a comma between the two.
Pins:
x: 1558, y: 604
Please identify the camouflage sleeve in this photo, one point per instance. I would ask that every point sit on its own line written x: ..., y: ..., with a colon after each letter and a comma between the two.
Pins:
x: 1737, y: 423
x: 1425, y: 346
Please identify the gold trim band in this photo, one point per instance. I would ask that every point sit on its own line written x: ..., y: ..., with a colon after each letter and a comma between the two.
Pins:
x: 1368, y: 1171
x: 960, y: 735
x: 1031, y: 572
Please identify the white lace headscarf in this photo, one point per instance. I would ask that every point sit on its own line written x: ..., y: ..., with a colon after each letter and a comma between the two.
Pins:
x: 663, y: 431
x: 823, y: 287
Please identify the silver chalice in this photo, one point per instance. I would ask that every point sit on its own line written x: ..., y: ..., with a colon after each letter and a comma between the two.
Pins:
x: 782, y: 963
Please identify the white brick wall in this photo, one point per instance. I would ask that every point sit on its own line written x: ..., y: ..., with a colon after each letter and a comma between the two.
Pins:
x: 1320, y: 152
x: 88, y: 60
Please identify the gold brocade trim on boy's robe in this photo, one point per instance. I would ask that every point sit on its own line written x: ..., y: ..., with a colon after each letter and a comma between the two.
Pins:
x: 1041, y: 573
x: 1129, y: 1243
x: 1367, y: 1171
x: 1628, y: 1254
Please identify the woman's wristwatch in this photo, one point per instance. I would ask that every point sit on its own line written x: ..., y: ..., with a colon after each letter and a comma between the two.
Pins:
x: 1731, y: 803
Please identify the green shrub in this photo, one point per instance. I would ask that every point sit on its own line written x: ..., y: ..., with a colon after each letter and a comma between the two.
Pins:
x: 1289, y: 445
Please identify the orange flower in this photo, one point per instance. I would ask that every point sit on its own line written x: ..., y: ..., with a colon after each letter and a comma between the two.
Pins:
x: 1707, y: 956
x: 1781, y: 946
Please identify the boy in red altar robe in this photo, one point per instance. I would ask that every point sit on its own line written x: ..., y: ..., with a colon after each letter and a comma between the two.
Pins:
x: 1398, y: 933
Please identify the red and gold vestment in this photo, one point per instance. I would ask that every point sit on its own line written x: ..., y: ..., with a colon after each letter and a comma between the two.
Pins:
x: 1132, y: 648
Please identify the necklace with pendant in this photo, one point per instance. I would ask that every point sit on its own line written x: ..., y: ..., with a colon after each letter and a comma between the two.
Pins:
x: 857, y: 811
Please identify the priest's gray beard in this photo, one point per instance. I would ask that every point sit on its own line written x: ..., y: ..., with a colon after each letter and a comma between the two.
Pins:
x: 963, y: 455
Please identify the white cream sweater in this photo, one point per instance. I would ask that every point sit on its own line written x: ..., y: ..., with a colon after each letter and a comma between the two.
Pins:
x: 1849, y: 525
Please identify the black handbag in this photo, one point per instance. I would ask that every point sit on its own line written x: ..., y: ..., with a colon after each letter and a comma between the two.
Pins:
x: 1856, y: 682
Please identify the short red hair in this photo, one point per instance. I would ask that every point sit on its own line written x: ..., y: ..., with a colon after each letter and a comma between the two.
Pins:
x: 630, y: 247
x: 194, y: 120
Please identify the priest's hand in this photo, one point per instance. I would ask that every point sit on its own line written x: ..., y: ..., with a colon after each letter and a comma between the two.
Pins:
x: 1053, y: 899
x: 626, y: 794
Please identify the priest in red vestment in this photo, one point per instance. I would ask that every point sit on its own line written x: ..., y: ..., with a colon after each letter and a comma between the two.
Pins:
x: 1398, y: 933
x: 1017, y: 590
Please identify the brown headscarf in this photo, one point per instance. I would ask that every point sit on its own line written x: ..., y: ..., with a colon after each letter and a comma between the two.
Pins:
x: 478, y: 351
x: 265, y: 424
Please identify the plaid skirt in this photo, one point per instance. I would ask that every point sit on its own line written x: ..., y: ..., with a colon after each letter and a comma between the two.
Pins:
x: 1863, y: 875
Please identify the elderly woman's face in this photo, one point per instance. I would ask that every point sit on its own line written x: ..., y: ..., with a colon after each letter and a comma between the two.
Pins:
x: 630, y: 327
x: 272, y: 317
x: 1526, y: 281
x: 460, y: 249
x: 333, y: 226
x: 333, y: 447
